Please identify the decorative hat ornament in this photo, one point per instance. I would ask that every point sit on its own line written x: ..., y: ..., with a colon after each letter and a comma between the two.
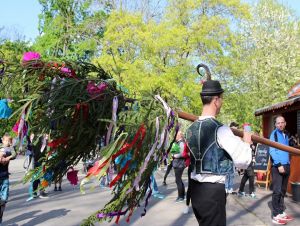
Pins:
x: 210, y: 87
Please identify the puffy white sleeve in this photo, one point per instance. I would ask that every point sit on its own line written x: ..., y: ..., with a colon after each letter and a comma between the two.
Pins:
x: 239, y: 150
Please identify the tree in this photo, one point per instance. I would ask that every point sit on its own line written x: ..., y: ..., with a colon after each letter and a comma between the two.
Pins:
x: 10, y: 51
x: 148, y: 54
x: 266, y: 60
x: 70, y: 29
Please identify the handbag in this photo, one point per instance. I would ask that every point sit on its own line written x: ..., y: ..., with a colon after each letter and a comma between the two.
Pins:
x: 72, y: 176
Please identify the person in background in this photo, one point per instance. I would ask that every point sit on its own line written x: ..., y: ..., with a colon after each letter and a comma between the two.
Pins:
x: 280, y: 172
x: 7, y: 153
x: 179, y: 165
x: 38, y: 148
x: 186, y: 155
x: 248, y: 175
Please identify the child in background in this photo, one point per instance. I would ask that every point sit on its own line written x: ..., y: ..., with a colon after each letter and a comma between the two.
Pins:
x: 7, y: 153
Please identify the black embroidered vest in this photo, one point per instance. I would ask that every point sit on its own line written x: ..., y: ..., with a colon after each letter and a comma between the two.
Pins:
x: 206, y: 154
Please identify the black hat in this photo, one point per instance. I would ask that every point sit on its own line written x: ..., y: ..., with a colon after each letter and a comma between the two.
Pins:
x: 211, y: 88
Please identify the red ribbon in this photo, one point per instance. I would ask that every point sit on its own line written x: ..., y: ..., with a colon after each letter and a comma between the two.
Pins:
x: 96, y: 168
x: 120, y: 174
x: 58, y: 142
x: 139, y: 145
x: 81, y: 107
x: 118, y: 218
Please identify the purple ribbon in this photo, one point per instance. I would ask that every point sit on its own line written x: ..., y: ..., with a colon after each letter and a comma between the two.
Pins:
x: 171, y: 124
x: 21, y: 132
x: 167, y: 153
x: 112, y: 214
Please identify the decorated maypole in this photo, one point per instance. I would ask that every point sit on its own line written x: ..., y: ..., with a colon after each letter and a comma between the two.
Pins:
x: 77, y: 104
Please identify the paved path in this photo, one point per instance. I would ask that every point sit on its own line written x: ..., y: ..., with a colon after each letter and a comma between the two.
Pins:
x: 69, y: 207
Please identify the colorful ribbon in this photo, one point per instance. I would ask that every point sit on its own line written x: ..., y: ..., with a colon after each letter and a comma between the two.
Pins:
x: 127, y: 146
x: 143, y: 168
x: 114, y: 119
x: 111, y: 214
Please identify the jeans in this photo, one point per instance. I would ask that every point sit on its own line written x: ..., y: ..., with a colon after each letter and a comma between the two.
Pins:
x: 4, y: 189
x: 229, y: 181
x: 154, y: 185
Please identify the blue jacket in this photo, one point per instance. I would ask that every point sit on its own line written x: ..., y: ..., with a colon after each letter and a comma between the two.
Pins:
x: 278, y: 155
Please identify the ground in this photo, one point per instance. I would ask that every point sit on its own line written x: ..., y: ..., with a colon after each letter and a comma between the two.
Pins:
x: 69, y: 207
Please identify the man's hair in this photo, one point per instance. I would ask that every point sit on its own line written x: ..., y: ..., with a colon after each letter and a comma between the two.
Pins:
x: 233, y: 124
x: 208, y: 99
x: 278, y: 116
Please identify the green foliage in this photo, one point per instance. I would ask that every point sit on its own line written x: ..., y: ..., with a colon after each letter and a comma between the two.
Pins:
x: 70, y: 29
x: 11, y: 52
x: 144, y: 55
x: 267, y: 56
x: 64, y: 108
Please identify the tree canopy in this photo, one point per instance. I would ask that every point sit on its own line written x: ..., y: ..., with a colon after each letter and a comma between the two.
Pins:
x: 154, y: 45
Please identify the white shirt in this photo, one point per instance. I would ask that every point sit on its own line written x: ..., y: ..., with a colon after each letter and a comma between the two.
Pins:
x: 239, y: 151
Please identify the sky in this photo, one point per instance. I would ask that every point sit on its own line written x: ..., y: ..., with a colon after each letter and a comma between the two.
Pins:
x: 20, y: 17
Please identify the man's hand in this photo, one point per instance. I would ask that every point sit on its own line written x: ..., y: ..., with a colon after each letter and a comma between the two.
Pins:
x: 247, y: 137
x: 281, y: 169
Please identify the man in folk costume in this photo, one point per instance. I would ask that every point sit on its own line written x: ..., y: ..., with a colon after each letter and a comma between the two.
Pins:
x: 214, y: 149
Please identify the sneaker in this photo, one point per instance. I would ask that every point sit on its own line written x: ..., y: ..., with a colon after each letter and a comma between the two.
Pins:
x: 230, y: 191
x: 186, y: 210
x: 43, y: 196
x: 241, y: 193
x: 278, y: 220
x: 252, y: 195
x: 179, y: 199
x: 286, y: 217
x: 30, y: 198
x: 159, y: 196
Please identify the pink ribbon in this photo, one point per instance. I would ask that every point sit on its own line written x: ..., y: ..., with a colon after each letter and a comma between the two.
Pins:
x: 31, y: 56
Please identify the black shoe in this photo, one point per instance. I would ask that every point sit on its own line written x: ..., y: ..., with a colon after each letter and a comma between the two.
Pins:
x: 59, y: 189
x: 164, y: 183
x: 55, y: 188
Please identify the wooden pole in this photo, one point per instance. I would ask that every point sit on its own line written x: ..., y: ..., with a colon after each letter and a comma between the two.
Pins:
x: 254, y: 138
